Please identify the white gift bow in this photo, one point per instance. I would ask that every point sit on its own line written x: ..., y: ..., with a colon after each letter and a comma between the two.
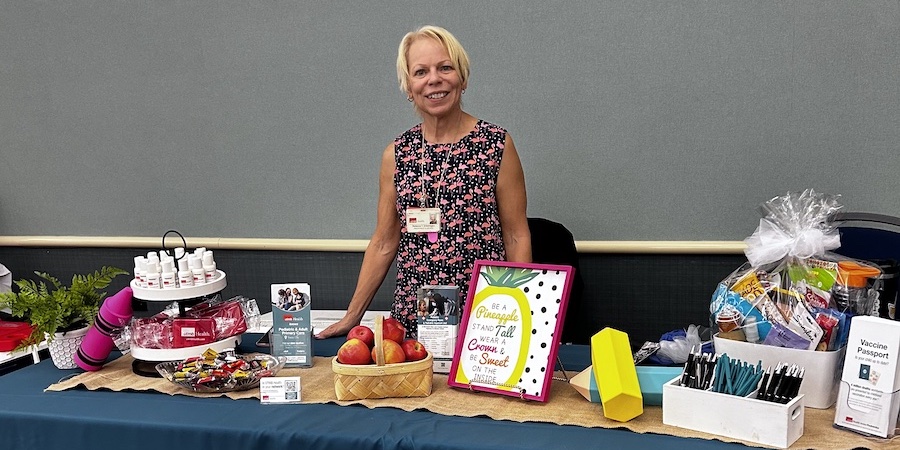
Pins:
x: 770, y: 243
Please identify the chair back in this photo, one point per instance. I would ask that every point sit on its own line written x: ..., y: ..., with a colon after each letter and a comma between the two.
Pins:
x: 553, y: 243
x: 868, y: 236
x: 875, y: 238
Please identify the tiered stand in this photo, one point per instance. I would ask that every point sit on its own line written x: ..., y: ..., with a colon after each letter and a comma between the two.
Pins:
x: 145, y: 359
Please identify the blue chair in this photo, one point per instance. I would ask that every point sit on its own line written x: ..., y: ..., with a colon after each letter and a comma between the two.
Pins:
x: 868, y: 236
x: 876, y: 238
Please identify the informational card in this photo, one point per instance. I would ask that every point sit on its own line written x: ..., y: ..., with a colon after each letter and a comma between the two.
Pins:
x: 869, y: 395
x: 291, y: 324
x: 510, y: 328
x: 438, y: 323
x: 279, y: 390
x: 423, y: 220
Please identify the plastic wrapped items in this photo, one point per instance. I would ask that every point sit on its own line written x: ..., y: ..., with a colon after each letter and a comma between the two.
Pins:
x: 12, y: 334
x: 228, y: 318
x: 794, y: 292
x: 205, y: 323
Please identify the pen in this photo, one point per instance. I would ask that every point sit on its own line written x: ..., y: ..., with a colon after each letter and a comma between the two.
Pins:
x: 793, y: 388
x: 775, y: 382
x: 763, y: 385
x: 711, y: 361
x: 797, y: 381
x: 688, y: 368
x: 787, y: 384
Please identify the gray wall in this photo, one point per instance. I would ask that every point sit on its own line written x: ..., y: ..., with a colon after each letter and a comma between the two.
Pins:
x: 635, y: 119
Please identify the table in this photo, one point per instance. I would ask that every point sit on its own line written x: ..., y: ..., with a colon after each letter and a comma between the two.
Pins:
x: 33, y: 352
x: 78, y: 419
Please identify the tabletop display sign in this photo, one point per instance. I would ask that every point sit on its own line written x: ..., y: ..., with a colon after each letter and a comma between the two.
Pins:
x: 291, y: 325
x: 437, y: 316
x: 508, y: 337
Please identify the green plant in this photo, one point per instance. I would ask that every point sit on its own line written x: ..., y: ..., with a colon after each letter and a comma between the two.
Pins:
x: 58, y: 308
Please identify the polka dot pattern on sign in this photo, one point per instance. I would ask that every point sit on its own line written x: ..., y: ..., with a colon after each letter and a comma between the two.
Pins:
x: 544, y: 294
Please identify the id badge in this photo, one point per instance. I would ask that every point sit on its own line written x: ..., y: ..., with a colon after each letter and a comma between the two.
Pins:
x: 423, y: 220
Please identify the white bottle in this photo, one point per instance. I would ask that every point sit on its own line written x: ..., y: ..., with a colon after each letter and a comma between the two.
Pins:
x: 153, y: 263
x: 751, y: 331
x: 179, y: 253
x: 185, y: 277
x: 145, y: 265
x: 153, y: 279
x: 209, y: 266
x: 197, y: 270
x: 139, y: 271
x: 167, y: 275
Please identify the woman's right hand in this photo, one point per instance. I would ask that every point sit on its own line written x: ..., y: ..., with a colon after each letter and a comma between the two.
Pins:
x: 339, y: 328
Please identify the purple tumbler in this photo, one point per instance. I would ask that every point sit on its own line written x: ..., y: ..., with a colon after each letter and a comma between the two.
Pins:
x: 98, y: 343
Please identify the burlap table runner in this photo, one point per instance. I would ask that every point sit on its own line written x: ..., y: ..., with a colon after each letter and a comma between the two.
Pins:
x: 565, y: 406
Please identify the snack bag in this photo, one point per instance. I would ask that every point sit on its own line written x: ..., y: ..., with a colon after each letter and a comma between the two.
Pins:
x: 793, y: 292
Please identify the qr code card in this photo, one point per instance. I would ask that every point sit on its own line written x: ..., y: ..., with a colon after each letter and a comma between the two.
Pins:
x: 279, y: 390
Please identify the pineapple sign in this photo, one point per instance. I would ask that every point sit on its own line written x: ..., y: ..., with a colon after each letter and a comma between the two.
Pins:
x: 511, y: 318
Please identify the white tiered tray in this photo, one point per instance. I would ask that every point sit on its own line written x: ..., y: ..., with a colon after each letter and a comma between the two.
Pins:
x: 180, y: 293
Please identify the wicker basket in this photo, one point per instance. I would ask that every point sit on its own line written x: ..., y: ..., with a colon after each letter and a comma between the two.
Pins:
x: 410, y: 379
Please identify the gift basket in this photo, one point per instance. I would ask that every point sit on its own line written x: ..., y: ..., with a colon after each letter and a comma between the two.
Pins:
x: 380, y: 380
x: 793, y: 301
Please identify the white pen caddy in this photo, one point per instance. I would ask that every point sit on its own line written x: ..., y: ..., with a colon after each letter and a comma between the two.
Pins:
x: 823, y: 369
x: 745, y: 418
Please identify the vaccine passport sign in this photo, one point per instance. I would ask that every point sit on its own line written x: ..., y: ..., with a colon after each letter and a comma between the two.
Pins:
x: 869, y: 396
x: 291, y: 324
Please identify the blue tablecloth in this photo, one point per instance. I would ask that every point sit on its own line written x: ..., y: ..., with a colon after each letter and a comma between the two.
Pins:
x: 77, y: 419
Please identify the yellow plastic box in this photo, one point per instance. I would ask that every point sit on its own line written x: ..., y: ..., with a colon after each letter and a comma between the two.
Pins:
x: 616, y: 375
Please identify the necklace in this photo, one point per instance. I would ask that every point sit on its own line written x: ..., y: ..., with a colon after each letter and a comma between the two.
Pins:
x: 424, y: 197
x: 448, y: 148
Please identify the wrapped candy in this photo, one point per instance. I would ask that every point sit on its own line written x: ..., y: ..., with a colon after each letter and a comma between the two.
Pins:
x: 220, y: 371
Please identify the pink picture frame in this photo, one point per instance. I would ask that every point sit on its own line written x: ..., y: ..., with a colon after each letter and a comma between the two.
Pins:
x: 511, y: 323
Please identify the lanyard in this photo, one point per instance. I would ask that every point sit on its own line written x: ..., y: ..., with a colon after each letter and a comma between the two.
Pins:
x: 423, y: 200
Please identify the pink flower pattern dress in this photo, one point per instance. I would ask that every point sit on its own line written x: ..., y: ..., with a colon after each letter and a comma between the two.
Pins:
x: 460, y: 179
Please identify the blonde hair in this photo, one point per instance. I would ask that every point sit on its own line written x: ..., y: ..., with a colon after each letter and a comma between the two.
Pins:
x: 458, y: 56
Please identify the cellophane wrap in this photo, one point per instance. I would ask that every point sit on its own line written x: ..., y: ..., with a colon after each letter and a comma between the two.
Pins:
x: 228, y: 318
x: 793, y: 291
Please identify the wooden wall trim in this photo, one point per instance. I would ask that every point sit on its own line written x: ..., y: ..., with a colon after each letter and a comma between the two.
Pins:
x: 349, y: 245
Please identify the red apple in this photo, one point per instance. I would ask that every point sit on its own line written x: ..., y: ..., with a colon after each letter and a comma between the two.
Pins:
x: 393, y: 330
x: 354, y: 352
x: 413, y: 350
x: 393, y: 353
x: 362, y: 333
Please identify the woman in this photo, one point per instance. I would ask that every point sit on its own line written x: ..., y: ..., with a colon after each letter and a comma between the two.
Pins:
x: 463, y: 170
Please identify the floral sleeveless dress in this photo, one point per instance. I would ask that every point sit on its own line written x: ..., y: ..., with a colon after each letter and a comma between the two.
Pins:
x: 460, y: 179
